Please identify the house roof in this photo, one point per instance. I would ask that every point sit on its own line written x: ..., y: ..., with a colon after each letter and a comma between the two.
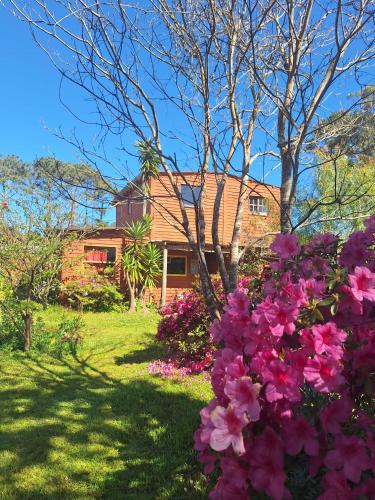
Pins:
x: 136, y: 181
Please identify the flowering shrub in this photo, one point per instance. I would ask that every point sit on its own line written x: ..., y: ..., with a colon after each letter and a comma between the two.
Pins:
x: 294, y: 381
x: 92, y: 291
x: 184, y: 329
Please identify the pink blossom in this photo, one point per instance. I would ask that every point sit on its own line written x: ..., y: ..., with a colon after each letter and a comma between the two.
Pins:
x: 244, y: 396
x: 350, y: 454
x: 267, y: 465
x: 370, y: 225
x: 355, y: 251
x: 299, y: 435
x: 282, y: 381
x: 281, y: 318
x: 323, y: 374
x: 336, y: 413
x: 364, y: 357
x: 228, y: 425
x: 314, y: 288
x: 238, y: 303
x: 286, y: 245
x: 232, y: 484
x: 362, y: 284
x: 365, y: 490
x: 263, y: 410
x: 328, y: 339
x: 336, y: 487
x: 325, y: 242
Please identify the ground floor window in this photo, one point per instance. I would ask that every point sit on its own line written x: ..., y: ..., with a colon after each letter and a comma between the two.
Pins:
x: 100, y: 255
x: 176, y: 265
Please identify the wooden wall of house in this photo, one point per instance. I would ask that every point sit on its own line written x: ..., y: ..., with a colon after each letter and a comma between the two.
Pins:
x: 73, y: 259
x: 124, y: 216
x: 175, y: 284
x: 253, y: 226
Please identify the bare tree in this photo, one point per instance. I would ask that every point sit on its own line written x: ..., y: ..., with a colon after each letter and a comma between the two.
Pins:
x: 224, y: 70
x: 311, y: 46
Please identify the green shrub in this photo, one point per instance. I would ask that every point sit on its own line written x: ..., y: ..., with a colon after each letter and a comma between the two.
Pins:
x: 93, y: 292
x: 57, y: 340
x: 61, y: 340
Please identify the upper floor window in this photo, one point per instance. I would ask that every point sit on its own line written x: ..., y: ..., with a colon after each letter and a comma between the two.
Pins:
x: 190, y: 194
x: 100, y: 255
x: 258, y: 205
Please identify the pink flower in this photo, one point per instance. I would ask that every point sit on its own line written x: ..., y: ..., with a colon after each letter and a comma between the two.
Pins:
x: 238, y: 303
x: 336, y: 487
x: 355, y: 251
x: 335, y: 414
x: 365, y: 490
x: 362, y: 284
x: 323, y: 374
x: 370, y: 224
x: 228, y: 425
x: 267, y: 465
x: 244, y: 396
x: 328, y: 339
x: 281, y: 318
x: 350, y: 454
x: 232, y: 484
x: 325, y: 242
x: 286, y: 245
x: 282, y: 382
x: 299, y: 435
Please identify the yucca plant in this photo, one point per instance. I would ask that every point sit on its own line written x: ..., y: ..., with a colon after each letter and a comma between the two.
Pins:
x: 141, y: 261
x: 149, y: 164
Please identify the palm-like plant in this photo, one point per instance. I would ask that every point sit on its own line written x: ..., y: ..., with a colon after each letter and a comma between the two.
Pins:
x: 149, y: 164
x: 141, y: 261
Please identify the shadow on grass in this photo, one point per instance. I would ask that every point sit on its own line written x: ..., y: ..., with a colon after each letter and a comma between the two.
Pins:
x: 150, y: 353
x: 96, y: 436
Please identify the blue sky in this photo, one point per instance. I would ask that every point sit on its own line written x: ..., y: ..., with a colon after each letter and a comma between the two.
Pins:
x: 29, y: 96
x: 29, y: 101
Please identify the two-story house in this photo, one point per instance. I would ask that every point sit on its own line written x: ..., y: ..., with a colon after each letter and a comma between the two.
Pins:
x: 103, y: 246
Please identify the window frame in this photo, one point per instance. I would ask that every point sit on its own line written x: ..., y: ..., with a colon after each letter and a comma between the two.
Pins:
x: 187, y: 203
x: 98, y: 247
x: 174, y: 256
x: 258, y: 212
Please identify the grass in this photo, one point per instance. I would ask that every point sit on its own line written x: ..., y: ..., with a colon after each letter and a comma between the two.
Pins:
x: 97, y: 425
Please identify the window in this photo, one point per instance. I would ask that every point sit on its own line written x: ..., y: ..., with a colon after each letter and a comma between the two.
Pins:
x: 190, y: 194
x: 258, y: 205
x: 100, y: 255
x: 129, y: 207
x: 176, y: 266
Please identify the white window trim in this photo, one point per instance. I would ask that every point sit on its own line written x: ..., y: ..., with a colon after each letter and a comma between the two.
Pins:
x: 257, y: 212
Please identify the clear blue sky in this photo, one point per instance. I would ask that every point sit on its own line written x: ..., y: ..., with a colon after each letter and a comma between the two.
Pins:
x: 29, y: 97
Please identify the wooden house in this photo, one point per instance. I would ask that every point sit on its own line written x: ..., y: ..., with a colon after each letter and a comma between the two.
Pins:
x: 104, y: 246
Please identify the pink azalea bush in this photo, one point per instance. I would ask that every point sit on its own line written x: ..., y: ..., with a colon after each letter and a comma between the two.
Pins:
x: 294, y: 377
x: 184, y: 329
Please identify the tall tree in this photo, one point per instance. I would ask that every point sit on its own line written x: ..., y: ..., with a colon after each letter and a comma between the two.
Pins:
x: 342, y: 191
x: 33, y: 233
x: 226, y: 71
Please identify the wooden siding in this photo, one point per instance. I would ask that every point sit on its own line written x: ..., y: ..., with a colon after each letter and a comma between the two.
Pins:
x: 253, y: 225
x: 73, y: 260
x: 122, y: 211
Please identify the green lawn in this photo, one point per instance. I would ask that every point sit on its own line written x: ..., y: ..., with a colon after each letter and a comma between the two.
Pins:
x: 98, y: 425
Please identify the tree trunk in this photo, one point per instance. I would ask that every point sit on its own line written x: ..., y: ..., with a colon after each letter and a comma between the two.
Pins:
x: 285, y: 193
x: 28, y: 320
x: 131, y: 289
x: 131, y: 299
x: 142, y: 297
x: 208, y: 292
